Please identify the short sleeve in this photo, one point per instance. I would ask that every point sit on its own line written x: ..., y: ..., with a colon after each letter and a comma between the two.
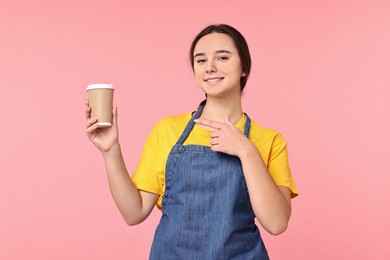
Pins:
x: 145, y: 176
x: 278, y: 165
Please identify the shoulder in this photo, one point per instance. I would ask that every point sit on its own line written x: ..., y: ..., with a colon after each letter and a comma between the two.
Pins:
x: 173, y: 121
x: 171, y: 126
x: 166, y: 132
x: 265, y: 135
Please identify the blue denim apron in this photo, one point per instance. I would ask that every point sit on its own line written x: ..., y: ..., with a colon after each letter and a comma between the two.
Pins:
x: 206, y: 211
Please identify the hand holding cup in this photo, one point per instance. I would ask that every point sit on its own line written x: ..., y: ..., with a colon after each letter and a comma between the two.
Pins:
x: 101, y: 116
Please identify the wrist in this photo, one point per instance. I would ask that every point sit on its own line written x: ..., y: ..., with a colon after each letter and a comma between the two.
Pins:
x: 248, y: 150
x: 112, y: 149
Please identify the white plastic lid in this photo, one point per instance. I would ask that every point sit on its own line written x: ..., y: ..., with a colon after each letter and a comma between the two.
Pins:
x: 95, y: 86
x: 104, y: 124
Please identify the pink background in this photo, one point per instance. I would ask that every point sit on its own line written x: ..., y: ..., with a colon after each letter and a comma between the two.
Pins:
x: 320, y: 76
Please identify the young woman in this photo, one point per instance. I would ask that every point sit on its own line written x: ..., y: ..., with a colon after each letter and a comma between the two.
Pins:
x: 211, y: 171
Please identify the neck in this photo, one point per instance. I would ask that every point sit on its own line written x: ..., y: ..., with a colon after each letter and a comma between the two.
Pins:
x: 216, y: 109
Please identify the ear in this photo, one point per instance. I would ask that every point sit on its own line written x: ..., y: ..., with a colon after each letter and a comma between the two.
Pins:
x: 243, y: 74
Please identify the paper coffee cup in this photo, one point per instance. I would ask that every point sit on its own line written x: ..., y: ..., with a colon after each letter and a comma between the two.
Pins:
x: 100, y: 98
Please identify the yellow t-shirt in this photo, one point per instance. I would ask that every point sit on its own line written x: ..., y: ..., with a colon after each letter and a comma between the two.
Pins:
x: 150, y: 172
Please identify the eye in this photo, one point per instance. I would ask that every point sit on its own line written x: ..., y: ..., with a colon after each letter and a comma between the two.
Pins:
x: 200, y: 61
x: 223, y: 58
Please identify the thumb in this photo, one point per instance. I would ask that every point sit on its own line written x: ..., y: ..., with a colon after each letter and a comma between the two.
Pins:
x: 115, y: 115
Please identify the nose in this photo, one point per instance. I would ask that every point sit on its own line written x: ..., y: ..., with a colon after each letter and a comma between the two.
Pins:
x: 210, y: 67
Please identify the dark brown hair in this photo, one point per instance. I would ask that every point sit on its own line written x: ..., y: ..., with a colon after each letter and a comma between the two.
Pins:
x: 239, y: 42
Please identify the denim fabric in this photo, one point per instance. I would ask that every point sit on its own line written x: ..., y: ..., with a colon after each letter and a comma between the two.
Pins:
x: 206, y: 210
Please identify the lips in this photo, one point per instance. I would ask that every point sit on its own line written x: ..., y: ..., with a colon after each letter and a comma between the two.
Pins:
x: 213, y: 80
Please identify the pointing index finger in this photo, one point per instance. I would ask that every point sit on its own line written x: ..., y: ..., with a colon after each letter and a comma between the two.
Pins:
x: 209, y: 123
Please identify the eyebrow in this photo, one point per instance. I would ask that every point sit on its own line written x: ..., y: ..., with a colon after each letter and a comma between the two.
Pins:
x: 218, y: 51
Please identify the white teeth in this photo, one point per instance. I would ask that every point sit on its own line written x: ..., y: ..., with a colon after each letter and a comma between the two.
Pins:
x: 213, y: 80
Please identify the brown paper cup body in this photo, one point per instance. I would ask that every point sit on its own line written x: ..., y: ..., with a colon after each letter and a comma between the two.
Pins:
x: 100, y: 101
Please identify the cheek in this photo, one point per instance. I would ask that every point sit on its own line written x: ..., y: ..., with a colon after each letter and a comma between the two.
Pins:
x: 238, y: 70
x: 197, y: 74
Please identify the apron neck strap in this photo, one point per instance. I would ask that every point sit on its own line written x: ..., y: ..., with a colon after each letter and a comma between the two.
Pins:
x: 247, y: 125
x: 189, y: 126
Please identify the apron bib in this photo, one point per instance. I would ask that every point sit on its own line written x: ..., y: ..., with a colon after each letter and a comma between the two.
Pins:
x: 206, y: 211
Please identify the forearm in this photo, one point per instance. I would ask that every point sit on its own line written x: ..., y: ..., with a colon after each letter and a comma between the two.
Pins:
x: 125, y: 194
x: 270, y: 206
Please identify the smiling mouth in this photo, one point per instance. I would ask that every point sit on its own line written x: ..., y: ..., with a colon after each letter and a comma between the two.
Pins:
x: 213, y: 80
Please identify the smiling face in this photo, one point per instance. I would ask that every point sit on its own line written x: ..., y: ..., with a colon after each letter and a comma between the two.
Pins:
x: 217, y: 65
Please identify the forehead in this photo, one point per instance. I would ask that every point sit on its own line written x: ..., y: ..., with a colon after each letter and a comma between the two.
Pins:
x: 214, y: 42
